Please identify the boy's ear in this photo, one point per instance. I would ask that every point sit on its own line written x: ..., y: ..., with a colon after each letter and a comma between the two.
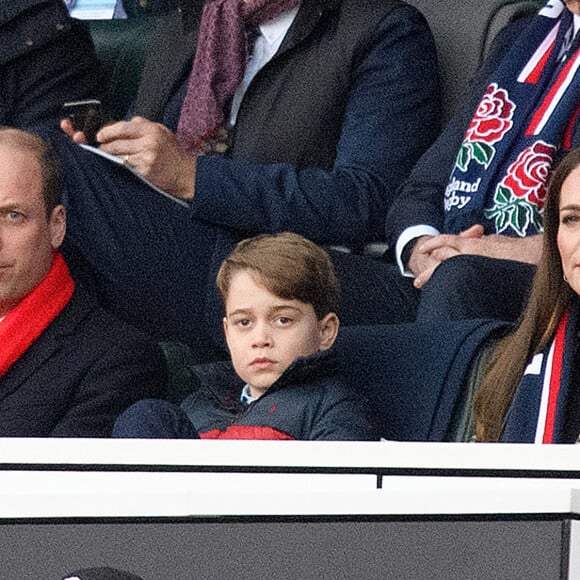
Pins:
x: 225, y: 326
x: 328, y: 330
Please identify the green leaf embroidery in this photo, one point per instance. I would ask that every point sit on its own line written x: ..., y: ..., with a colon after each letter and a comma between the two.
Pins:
x: 503, y: 195
x: 536, y: 218
x: 483, y: 153
x: 503, y: 220
x: 513, y: 212
x: 464, y: 156
x: 520, y: 219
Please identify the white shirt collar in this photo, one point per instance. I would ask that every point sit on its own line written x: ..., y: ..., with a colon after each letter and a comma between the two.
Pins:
x: 266, y: 45
x: 274, y: 30
x: 246, y: 397
x: 576, y: 23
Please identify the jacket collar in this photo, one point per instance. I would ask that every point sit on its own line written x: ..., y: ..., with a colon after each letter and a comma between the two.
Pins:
x: 182, y: 26
x: 307, y: 19
x: 79, y: 307
x: 222, y: 383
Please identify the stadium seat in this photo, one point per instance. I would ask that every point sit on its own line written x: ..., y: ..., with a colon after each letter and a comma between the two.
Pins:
x: 415, y: 375
x: 464, y: 31
x: 121, y: 46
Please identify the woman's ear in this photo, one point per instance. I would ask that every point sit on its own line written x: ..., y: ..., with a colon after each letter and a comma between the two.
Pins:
x: 328, y: 330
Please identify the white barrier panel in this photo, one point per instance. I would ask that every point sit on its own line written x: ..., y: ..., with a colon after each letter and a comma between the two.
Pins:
x: 179, y: 510
x: 386, y: 457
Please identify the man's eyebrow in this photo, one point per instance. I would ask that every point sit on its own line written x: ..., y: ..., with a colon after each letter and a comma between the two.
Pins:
x: 10, y: 205
x: 570, y: 206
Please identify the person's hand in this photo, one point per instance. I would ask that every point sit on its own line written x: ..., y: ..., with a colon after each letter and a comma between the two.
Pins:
x: 76, y: 136
x: 429, y: 252
x: 152, y: 151
x: 419, y: 261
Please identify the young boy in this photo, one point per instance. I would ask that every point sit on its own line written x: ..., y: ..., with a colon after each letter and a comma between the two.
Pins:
x: 280, y: 295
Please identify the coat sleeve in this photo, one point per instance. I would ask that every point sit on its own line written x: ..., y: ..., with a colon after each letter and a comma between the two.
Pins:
x: 392, y: 115
x: 113, y: 380
x: 420, y: 201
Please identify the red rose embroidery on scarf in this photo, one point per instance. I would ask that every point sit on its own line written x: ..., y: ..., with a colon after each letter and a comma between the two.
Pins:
x: 519, y: 197
x: 528, y: 173
x: 492, y: 120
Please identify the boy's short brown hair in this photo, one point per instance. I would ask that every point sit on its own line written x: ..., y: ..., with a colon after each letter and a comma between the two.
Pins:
x: 289, y: 266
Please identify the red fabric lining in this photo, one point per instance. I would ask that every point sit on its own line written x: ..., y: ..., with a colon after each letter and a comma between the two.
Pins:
x: 247, y: 432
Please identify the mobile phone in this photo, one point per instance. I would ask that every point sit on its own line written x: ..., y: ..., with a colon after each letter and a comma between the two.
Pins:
x: 85, y: 116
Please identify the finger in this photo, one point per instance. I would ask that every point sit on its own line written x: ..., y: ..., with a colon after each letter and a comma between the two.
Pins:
x: 424, y: 276
x: 442, y: 254
x: 120, y: 130
x: 76, y: 136
x: 122, y: 147
x: 436, y: 242
x: 475, y: 231
x: 67, y: 127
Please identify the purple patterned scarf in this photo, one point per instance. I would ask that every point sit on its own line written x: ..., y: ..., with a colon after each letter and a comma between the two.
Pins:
x: 219, y: 65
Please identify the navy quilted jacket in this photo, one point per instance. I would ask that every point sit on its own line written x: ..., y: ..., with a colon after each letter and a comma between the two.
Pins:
x: 308, y: 402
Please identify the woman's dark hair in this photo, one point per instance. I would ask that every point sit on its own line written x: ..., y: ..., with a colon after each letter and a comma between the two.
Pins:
x: 550, y: 296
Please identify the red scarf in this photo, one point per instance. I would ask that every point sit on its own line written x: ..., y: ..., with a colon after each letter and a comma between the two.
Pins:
x: 27, y: 321
x: 219, y: 65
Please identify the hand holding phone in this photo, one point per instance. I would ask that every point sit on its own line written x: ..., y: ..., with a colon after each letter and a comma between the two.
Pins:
x: 85, y: 116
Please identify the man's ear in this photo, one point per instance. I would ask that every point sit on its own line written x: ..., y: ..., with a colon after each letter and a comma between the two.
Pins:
x: 328, y: 330
x: 57, y: 224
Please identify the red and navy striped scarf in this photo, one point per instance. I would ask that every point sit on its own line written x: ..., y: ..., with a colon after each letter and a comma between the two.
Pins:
x: 538, y: 411
x: 524, y: 118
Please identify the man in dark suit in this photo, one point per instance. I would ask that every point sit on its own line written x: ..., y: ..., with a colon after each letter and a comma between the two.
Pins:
x: 467, y: 224
x: 46, y: 59
x: 67, y: 367
x: 338, y: 100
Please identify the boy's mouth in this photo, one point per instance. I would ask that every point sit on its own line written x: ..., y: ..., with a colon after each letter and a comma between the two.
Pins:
x: 262, y: 362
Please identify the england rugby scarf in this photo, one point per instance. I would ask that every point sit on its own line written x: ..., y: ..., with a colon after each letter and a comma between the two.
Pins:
x: 27, y: 321
x: 524, y: 118
x: 538, y: 411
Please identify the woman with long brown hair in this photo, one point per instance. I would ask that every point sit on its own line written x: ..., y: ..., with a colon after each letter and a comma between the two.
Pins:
x: 528, y: 392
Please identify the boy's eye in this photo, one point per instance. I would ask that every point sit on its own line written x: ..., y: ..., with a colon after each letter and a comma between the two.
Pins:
x: 283, y: 320
x: 243, y: 322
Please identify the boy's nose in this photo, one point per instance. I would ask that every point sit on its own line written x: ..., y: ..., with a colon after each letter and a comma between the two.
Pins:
x: 261, y: 336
